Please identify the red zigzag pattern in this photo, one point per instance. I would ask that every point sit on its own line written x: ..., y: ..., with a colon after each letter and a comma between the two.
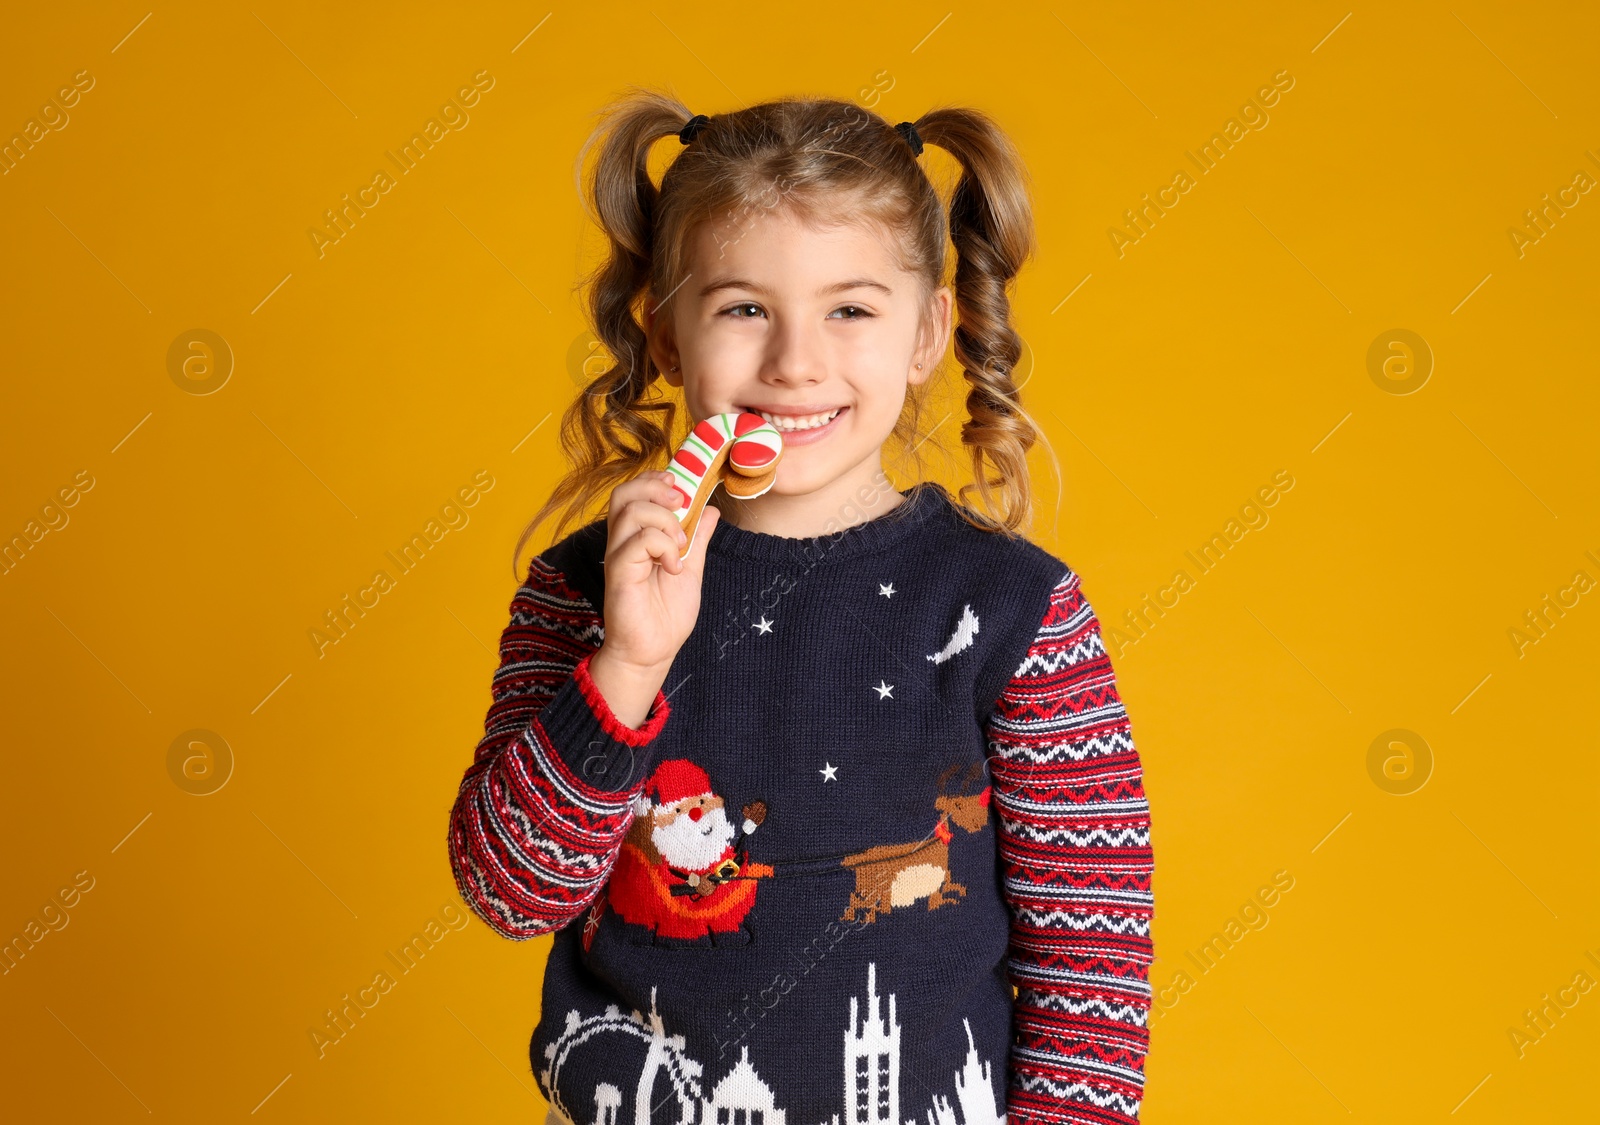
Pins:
x: 531, y: 841
x: 1075, y: 853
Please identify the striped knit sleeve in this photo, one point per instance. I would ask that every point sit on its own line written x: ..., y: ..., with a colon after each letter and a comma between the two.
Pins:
x: 1075, y: 855
x: 541, y: 812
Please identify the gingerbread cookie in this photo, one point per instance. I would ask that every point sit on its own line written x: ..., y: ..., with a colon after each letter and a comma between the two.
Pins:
x: 739, y: 450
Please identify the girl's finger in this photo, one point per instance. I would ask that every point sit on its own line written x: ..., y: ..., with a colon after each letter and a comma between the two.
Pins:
x: 656, y: 545
x: 696, y: 560
x: 654, y: 487
x: 649, y: 513
x: 671, y: 494
x: 653, y: 503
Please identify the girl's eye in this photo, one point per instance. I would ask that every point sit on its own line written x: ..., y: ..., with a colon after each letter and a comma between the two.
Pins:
x: 735, y: 311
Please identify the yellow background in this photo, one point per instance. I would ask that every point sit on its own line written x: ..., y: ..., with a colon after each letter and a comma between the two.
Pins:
x: 369, y: 384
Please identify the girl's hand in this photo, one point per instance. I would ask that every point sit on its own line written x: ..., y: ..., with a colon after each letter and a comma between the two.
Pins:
x: 652, y: 597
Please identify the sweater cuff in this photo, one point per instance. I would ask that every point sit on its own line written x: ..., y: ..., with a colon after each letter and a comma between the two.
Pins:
x: 599, y: 752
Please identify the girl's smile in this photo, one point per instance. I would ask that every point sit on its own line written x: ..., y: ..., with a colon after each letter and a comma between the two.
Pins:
x: 807, y: 428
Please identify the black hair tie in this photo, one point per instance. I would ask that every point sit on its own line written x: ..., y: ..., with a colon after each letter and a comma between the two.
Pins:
x: 909, y: 131
x: 692, y: 130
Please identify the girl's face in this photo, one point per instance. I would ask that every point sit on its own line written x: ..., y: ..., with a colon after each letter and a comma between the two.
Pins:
x: 801, y: 325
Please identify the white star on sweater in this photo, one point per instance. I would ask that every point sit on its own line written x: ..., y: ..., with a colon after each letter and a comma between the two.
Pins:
x: 829, y: 771
x: 883, y: 689
x: 764, y: 625
x: 886, y: 591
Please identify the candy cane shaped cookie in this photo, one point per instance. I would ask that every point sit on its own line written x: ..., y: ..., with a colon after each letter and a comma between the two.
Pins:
x: 739, y: 449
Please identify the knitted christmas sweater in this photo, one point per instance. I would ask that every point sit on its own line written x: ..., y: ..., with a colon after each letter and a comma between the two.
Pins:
x: 888, y: 778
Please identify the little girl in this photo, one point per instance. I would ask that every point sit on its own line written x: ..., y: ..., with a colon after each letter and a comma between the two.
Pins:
x: 837, y: 818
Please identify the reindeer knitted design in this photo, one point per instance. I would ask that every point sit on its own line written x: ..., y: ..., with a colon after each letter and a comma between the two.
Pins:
x: 892, y: 875
x: 739, y: 450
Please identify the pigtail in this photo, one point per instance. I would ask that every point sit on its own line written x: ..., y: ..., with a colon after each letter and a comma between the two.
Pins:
x: 991, y: 227
x: 613, y: 430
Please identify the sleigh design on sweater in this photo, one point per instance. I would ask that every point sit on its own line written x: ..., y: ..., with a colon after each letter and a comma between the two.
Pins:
x: 684, y: 873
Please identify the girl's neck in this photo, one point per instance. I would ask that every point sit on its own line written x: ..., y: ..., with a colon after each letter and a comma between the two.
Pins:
x: 850, y: 500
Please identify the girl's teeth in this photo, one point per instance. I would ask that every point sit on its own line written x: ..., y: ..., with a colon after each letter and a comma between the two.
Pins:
x: 785, y: 422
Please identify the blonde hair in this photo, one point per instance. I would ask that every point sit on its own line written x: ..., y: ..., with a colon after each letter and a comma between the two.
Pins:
x: 821, y: 158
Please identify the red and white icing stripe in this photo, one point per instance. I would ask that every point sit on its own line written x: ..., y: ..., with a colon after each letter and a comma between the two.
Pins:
x: 756, y: 442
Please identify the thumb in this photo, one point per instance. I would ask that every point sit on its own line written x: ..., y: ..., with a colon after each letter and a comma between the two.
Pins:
x: 695, y: 561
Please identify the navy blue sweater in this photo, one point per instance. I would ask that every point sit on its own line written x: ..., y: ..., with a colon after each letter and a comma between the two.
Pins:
x: 888, y: 778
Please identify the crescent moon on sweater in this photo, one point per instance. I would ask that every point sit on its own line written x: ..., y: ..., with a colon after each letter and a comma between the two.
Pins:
x: 966, y: 629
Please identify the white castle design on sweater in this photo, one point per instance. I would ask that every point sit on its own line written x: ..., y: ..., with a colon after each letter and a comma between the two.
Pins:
x: 871, y: 1073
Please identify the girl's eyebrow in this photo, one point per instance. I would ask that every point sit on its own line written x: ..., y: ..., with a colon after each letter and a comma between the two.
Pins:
x: 836, y: 287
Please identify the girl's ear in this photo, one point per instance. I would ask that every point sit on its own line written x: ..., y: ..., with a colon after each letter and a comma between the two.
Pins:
x: 936, y: 338
x: 663, y: 351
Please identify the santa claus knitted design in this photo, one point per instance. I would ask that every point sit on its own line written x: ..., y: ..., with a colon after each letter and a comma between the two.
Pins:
x: 697, y: 465
x: 683, y: 872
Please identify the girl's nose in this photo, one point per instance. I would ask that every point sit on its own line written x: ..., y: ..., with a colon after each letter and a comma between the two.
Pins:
x: 796, y: 356
x: 696, y: 813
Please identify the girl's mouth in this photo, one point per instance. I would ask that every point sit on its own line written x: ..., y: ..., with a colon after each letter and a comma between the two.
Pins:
x: 802, y: 431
